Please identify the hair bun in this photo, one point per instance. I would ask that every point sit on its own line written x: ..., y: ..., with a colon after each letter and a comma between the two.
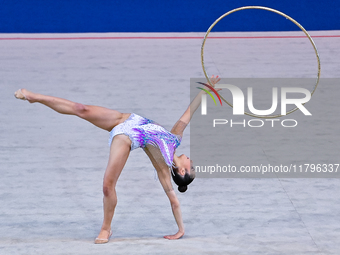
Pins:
x: 182, y: 188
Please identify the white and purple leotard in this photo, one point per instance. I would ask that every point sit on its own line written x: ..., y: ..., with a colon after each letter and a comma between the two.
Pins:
x: 142, y: 132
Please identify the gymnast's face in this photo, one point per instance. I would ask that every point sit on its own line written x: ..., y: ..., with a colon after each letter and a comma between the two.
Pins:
x: 186, y: 163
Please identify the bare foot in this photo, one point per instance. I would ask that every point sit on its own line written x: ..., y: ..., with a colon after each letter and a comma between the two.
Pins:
x: 24, y: 94
x: 178, y: 235
x: 103, y: 236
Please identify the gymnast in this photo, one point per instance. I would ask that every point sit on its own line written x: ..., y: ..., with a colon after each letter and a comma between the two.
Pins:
x: 129, y: 131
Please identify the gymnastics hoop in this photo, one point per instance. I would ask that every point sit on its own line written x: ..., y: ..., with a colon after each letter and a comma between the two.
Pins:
x: 275, y: 11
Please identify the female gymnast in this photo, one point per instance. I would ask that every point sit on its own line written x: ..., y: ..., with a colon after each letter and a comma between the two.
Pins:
x: 129, y: 131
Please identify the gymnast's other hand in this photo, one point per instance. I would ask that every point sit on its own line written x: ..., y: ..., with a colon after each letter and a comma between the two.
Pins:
x: 215, y: 79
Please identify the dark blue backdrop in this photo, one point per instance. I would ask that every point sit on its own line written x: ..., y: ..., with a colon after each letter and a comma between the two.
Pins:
x: 60, y: 16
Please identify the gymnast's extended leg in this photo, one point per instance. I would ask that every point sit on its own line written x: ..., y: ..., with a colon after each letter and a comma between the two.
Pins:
x: 99, y: 116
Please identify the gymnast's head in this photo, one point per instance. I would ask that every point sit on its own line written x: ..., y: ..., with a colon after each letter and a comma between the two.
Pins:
x: 183, y: 172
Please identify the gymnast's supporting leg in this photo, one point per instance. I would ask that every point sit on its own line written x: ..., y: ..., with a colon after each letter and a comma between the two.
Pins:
x: 99, y: 116
x: 119, y: 153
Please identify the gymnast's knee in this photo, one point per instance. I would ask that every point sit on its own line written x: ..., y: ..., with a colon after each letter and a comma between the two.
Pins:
x: 80, y: 109
x: 108, y: 189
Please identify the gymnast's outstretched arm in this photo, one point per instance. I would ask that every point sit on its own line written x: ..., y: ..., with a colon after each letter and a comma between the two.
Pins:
x: 184, y: 120
x: 165, y: 180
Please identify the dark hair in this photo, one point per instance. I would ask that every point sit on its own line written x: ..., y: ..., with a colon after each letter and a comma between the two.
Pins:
x: 182, y: 181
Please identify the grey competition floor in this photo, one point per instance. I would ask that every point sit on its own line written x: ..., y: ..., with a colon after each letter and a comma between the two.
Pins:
x: 51, y: 166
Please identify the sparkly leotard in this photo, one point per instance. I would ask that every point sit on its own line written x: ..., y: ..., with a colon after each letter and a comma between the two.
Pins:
x: 143, y: 132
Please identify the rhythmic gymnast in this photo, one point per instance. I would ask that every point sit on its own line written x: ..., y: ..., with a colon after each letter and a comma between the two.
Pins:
x: 129, y: 131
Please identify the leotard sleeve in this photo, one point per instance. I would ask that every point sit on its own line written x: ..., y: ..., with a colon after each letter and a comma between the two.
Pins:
x: 178, y: 128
